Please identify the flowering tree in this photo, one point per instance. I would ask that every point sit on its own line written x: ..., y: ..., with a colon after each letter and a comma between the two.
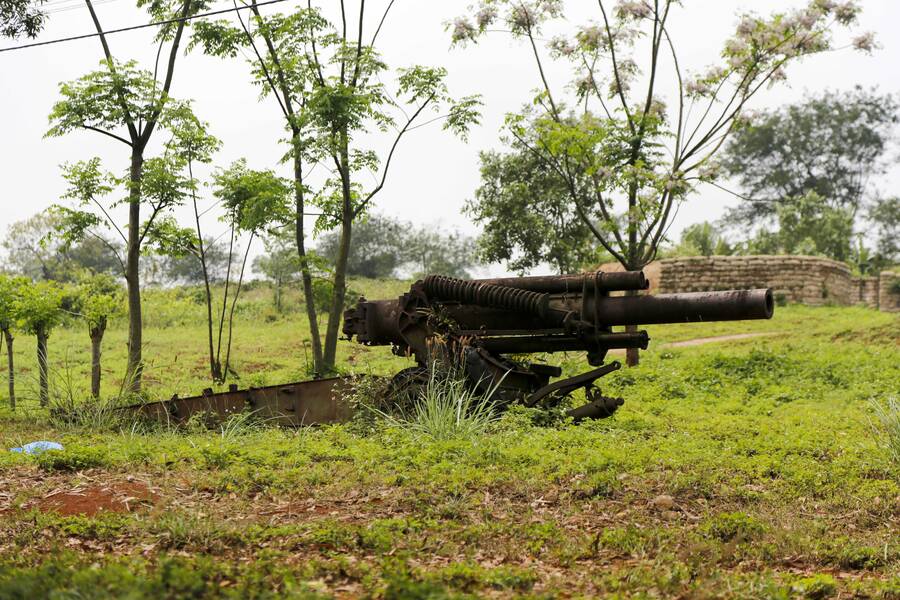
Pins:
x: 628, y: 157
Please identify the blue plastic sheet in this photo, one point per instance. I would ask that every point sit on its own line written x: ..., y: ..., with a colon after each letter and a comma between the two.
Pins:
x: 38, y: 447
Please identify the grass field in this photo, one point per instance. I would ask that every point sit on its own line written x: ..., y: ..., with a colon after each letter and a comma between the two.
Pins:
x: 749, y: 468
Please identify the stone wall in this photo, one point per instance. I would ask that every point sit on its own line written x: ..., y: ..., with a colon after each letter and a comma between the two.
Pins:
x: 888, y: 292
x: 800, y: 279
x: 867, y: 290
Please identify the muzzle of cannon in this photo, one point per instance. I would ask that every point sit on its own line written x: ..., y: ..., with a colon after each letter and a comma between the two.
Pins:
x: 480, y: 323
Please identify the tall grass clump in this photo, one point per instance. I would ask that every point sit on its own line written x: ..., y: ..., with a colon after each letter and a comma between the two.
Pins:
x: 886, y: 427
x: 448, y: 408
x: 73, y: 407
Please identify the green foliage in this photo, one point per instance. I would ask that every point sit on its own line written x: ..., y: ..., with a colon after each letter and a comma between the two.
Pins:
x: 806, y: 169
x: 254, y: 200
x: 99, y: 298
x: 107, y: 98
x: 38, y: 307
x: 735, y: 526
x: 73, y: 458
x: 523, y: 206
x: 10, y: 292
x: 21, y: 17
x: 627, y: 159
x: 446, y: 408
x: 886, y: 427
x: 47, y: 246
x: 384, y: 247
x: 702, y: 239
x: 884, y: 215
x: 831, y: 144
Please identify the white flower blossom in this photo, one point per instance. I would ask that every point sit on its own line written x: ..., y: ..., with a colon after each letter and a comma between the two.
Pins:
x: 591, y: 36
x: 846, y: 13
x: 697, y: 88
x: 865, y: 42
x: 521, y: 18
x: 562, y: 46
x: 486, y: 16
x: 634, y: 9
x: 736, y: 46
x: 463, y: 30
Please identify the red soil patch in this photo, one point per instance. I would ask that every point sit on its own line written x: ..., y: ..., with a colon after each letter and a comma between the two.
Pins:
x: 93, y: 499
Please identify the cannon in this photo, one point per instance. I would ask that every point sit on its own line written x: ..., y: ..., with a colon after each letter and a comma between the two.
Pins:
x: 485, y: 326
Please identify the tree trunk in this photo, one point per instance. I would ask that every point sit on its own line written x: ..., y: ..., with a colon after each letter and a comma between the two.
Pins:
x: 209, y: 314
x: 278, y: 284
x: 96, y: 340
x: 305, y: 274
x: 7, y: 334
x: 340, y: 268
x: 133, y: 277
x: 43, y: 372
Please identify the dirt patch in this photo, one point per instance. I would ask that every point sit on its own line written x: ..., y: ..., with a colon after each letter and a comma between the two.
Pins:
x: 719, y: 338
x: 706, y: 340
x: 89, y: 500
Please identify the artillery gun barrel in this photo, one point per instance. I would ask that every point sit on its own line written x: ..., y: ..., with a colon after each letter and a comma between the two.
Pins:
x: 692, y: 307
x: 618, y: 281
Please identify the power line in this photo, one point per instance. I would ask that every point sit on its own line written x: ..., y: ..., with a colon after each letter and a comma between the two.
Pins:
x: 134, y: 27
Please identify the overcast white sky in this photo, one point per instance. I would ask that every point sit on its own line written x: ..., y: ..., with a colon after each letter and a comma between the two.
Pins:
x: 434, y: 173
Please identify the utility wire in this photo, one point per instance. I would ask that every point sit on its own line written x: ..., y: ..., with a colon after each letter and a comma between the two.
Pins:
x: 134, y: 27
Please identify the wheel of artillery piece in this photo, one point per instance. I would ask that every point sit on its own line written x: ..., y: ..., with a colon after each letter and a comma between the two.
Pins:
x: 405, y: 388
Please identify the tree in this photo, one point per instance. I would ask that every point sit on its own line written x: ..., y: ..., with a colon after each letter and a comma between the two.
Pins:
x: 10, y: 289
x: 832, y: 144
x: 884, y: 215
x: 21, y: 17
x: 703, y: 239
x: 627, y: 159
x: 387, y: 247
x: 280, y: 264
x: 378, y: 248
x: 33, y: 251
x: 253, y: 201
x: 188, y: 270
x: 98, y: 299
x: 38, y: 308
x: 327, y: 83
x: 429, y: 250
x: 523, y: 207
x: 128, y: 104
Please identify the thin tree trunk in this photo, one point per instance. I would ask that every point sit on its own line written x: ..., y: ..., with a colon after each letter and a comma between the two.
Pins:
x: 219, y: 373
x: 133, y: 276
x: 7, y: 334
x: 43, y: 371
x: 309, y: 297
x: 96, y: 340
x: 340, y: 268
x: 209, y: 317
x: 237, y: 294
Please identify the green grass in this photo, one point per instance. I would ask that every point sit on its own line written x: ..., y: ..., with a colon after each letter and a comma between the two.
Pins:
x: 777, y: 484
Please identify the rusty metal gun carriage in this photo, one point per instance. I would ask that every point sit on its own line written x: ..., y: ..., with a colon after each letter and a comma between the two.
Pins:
x: 485, y: 327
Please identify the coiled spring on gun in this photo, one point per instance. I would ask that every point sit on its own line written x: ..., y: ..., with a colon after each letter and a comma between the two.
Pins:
x: 441, y: 287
